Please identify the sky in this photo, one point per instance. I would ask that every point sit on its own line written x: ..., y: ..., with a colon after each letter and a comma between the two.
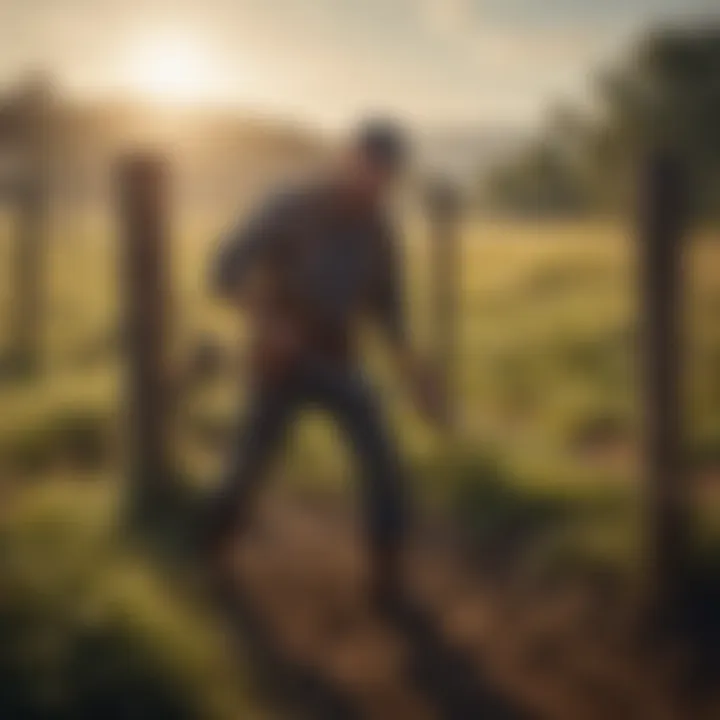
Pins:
x: 435, y: 63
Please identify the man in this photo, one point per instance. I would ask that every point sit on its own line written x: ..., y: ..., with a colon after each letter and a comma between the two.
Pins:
x: 307, y: 267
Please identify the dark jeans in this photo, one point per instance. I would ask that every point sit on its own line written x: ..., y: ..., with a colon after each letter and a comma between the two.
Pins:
x: 345, y: 393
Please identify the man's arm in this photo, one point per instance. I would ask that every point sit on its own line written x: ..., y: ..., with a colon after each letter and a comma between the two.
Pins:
x: 389, y: 301
x: 391, y: 315
x: 244, y: 246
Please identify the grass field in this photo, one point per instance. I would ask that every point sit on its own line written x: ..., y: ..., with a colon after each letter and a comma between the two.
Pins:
x: 547, y: 366
x: 545, y: 463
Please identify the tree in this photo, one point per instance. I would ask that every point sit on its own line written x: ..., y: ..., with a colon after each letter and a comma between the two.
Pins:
x: 665, y: 94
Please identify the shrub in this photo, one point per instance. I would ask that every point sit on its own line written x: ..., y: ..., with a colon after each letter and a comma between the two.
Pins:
x: 79, y: 436
x: 500, y: 518
x: 88, y: 630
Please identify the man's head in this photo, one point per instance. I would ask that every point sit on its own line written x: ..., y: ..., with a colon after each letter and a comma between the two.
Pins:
x: 376, y: 155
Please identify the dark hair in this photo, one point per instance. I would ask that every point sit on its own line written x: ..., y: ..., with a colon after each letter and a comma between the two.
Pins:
x: 383, y: 142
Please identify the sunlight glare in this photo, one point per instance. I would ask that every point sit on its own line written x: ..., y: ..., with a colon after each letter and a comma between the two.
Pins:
x: 172, y: 68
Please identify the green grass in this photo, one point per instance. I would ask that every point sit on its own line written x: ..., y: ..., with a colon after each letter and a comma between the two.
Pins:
x: 543, y: 477
x: 90, y: 627
x: 546, y: 367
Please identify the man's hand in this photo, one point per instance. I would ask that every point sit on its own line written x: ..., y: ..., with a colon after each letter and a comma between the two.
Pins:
x: 276, y: 337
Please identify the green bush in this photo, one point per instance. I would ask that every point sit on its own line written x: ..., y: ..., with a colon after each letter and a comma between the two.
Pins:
x: 81, y: 437
x: 88, y: 630
x: 542, y: 533
x: 498, y: 516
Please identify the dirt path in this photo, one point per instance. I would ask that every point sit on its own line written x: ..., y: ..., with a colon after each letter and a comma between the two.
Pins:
x: 457, y: 649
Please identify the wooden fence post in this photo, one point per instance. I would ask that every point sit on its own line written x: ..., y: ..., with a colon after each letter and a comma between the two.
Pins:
x: 34, y: 139
x: 443, y: 205
x: 144, y: 267
x: 662, y: 225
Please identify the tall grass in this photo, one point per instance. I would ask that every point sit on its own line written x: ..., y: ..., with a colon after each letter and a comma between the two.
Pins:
x: 546, y: 371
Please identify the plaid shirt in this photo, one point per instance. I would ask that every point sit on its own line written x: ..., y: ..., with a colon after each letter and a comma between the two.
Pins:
x: 330, y: 265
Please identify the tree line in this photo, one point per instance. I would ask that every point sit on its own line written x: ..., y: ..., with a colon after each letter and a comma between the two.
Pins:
x: 664, y: 94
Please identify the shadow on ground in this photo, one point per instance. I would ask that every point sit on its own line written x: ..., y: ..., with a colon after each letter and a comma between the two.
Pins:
x: 445, y: 680
x: 447, y: 676
x: 295, y: 689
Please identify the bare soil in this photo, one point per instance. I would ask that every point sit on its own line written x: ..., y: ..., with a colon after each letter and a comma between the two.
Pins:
x: 460, y: 645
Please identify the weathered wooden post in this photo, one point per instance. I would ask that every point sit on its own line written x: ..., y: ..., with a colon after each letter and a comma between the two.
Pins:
x: 662, y: 225
x: 144, y: 267
x: 28, y: 135
x: 443, y: 207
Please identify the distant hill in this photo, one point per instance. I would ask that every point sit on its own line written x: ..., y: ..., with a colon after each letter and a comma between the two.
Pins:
x: 216, y: 154
x: 467, y: 153
x: 220, y: 157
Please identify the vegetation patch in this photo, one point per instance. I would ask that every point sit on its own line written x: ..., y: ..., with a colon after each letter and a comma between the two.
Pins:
x: 74, y: 436
x: 89, y: 629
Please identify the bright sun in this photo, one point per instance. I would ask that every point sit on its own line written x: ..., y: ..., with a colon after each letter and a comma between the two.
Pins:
x: 171, y: 68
